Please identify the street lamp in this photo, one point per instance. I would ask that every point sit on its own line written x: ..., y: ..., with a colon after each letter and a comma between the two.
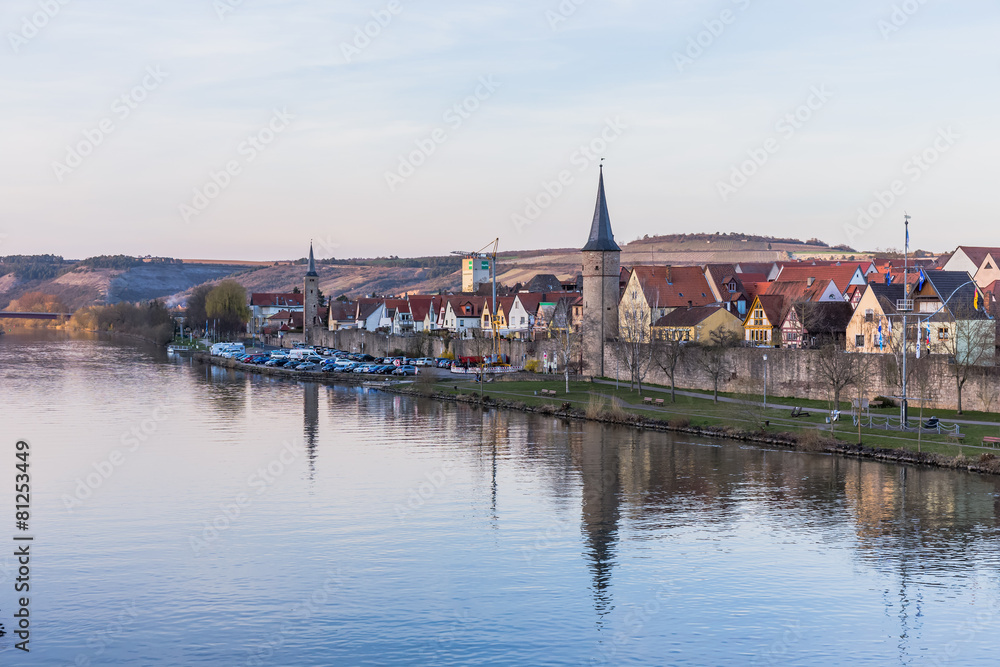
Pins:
x: 765, y: 382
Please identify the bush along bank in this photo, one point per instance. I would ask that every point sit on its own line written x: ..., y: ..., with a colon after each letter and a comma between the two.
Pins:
x: 807, y: 441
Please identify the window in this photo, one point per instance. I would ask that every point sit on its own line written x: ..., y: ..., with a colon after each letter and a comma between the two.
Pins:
x: 942, y: 333
x: 859, y: 340
x: 870, y: 315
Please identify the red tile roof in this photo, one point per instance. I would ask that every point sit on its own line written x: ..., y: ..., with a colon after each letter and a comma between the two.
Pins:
x: 272, y: 300
x: 674, y: 287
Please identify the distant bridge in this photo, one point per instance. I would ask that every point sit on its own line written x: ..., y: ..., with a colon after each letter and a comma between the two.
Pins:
x: 34, y: 316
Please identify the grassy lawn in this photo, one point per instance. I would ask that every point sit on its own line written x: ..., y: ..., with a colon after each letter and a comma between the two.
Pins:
x: 704, y: 412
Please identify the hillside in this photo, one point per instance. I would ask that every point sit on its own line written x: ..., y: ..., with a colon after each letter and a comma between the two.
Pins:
x: 119, y: 278
x: 77, y: 285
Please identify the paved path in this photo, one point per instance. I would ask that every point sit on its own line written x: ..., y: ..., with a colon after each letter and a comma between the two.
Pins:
x: 776, y: 406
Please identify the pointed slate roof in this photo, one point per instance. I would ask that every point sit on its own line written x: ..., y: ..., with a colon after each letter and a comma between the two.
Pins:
x: 601, y: 236
x: 312, y: 263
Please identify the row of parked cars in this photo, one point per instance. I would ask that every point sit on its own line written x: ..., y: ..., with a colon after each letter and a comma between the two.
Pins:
x: 336, y: 361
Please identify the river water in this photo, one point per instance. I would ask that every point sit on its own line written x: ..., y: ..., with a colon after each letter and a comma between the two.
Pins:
x: 247, y: 520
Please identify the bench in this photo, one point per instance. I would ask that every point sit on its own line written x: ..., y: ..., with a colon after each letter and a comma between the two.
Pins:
x: 659, y: 401
x: 990, y: 441
x: 956, y: 437
x: 648, y: 400
x: 799, y: 412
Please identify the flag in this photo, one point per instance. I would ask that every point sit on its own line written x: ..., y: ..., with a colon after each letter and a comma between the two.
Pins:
x: 920, y: 282
x: 888, y: 278
x: 975, y: 300
x: 880, y: 337
x: 907, y: 236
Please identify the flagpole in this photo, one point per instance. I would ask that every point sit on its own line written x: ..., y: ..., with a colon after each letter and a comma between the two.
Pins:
x: 906, y: 307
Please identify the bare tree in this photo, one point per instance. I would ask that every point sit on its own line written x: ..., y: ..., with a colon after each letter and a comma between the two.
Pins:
x: 921, y: 376
x: 633, y: 345
x: 867, y: 370
x: 970, y: 342
x: 713, y: 358
x: 668, y: 353
x: 561, y: 328
x: 837, y: 368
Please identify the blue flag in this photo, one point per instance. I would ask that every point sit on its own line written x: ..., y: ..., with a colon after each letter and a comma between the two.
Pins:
x: 888, y: 277
x: 880, y: 336
x: 920, y: 282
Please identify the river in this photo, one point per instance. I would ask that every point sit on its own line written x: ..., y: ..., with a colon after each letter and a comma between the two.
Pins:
x: 185, y: 515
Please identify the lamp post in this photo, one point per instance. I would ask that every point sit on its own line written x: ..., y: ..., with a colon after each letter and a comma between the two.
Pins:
x: 765, y: 382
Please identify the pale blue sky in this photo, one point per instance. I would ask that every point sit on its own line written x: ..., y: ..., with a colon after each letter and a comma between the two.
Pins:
x: 324, y: 175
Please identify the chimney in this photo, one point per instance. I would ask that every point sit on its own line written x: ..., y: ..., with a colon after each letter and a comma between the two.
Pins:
x: 811, y: 281
x: 690, y: 303
x: 670, y: 276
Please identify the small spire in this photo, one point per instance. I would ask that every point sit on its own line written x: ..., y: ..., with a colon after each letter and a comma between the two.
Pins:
x: 312, y: 262
x: 601, y: 236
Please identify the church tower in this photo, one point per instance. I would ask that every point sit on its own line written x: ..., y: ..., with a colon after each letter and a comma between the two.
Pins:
x: 310, y: 300
x: 601, y: 275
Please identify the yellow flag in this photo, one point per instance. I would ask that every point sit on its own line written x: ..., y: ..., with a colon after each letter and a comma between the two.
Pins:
x: 975, y: 301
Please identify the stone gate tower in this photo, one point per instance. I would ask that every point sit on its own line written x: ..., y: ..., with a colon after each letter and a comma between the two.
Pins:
x: 601, y: 274
x: 310, y: 300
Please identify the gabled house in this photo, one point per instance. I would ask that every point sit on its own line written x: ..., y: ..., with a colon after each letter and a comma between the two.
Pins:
x: 462, y: 315
x: 971, y: 259
x: 727, y: 287
x: 696, y: 324
x: 842, y: 275
x: 810, y: 325
x: 402, y: 320
x: 763, y: 322
x: 341, y: 315
x: 870, y: 330
x: 368, y: 313
x: 424, y: 311
x: 654, y: 291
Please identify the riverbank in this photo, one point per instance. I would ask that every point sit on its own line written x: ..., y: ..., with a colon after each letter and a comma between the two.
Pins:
x: 606, y: 405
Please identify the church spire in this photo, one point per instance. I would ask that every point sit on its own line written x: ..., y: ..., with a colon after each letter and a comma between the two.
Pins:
x: 601, y: 236
x: 312, y: 262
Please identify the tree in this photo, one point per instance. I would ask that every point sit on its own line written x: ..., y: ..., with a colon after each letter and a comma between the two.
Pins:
x: 713, y: 358
x: 296, y: 290
x: 667, y: 354
x: 227, y: 303
x: 633, y: 345
x: 561, y: 329
x: 196, y: 313
x: 970, y: 342
x: 837, y: 368
x: 38, y: 302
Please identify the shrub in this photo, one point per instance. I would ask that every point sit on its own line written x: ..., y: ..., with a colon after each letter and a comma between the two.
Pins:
x: 446, y: 355
x: 532, y: 365
x: 596, y: 406
x: 683, y: 422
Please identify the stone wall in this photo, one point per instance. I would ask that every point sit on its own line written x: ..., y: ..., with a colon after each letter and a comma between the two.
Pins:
x: 793, y: 373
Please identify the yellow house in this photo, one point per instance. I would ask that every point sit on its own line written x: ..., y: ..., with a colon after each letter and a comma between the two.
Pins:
x: 765, y: 316
x: 696, y: 324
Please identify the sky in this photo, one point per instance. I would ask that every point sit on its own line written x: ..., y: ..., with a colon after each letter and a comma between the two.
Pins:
x: 241, y: 129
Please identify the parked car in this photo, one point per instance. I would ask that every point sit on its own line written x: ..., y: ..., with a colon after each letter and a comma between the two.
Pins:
x: 307, y: 366
x: 444, y: 363
x: 406, y: 369
x: 275, y: 361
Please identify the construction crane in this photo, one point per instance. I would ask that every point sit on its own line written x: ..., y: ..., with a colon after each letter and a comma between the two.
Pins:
x: 483, y: 253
